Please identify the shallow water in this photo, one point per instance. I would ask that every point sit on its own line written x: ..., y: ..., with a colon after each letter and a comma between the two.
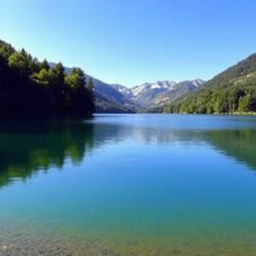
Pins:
x: 129, y: 185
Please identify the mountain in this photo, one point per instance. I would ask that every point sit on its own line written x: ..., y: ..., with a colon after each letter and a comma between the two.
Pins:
x: 157, y: 94
x: 116, y: 98
x: 175, y: 91
x: 107, y: 98
x: 233, y: 90
x: 104, y: 105
x: 113, y: 95
x: 146, y: 93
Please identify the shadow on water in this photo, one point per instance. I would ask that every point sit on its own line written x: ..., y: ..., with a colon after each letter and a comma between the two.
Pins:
x: 26, y: 148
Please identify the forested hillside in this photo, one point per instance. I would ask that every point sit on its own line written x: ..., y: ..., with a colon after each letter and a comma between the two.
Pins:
x: 104, y: 105
x: 232, y: 91
x: 30, y: 88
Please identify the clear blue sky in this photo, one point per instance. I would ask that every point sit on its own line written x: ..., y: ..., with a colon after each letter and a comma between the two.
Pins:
x: 134, y: 41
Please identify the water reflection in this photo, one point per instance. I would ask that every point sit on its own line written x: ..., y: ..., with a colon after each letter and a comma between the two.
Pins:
x: 239, y: 144
x: 29, y: 147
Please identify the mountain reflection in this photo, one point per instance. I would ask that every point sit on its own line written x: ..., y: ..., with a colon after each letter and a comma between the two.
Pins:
x: 29, y: 147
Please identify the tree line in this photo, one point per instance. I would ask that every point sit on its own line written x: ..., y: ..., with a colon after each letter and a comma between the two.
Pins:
x: 229, y: 92
x: 30, y: 88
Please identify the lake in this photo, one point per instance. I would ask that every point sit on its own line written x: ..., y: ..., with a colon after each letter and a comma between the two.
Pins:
x: 132, y: 185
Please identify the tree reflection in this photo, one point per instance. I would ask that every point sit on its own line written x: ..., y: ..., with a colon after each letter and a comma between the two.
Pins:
x: 28, y: 147
x: 239, y: 144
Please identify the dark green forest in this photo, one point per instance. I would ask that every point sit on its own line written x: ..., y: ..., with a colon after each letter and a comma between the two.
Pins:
x: 232, y: 91
x: 30, y: 88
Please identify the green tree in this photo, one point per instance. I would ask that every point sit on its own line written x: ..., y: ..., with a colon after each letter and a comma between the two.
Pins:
x: 29, y: 87
x: 59, y: 71
x: 43, y: 76
x: 244, y: 104
x: 19, y: 62
x: 5, y: 50
x: 44, y: 65
x: 76, y: 79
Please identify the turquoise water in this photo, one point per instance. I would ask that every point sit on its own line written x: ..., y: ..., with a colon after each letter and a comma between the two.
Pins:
x: 130, y: 185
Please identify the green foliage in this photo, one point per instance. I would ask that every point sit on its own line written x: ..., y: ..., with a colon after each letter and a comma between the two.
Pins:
x: 44, y: 76
x: 231, y: 91
x: 29, y: 87
x: 76, y: 79
x: 19, y: 62
x: 5, y: 50
x: 244, y: 104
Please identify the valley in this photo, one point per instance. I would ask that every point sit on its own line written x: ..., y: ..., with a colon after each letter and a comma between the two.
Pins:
x: 147, y: 96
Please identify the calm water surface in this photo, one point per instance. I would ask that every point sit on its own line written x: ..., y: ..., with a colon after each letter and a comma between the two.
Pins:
x: 134, y: 185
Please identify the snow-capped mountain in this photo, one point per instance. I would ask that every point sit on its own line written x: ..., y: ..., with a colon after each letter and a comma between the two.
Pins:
x: 158, y: 93
x: 177, y: 91
x: 145, y: 93
x: 159, y: 86
x: 119, y: 98
x: 123, y: 90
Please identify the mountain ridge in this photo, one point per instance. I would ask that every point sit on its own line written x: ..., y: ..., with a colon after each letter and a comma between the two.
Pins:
x: 148, y: 95
x: 231, y: 91
x: 117, y: 98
